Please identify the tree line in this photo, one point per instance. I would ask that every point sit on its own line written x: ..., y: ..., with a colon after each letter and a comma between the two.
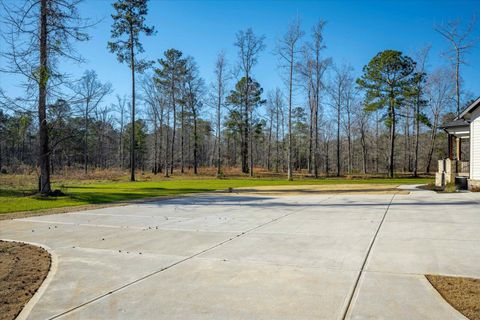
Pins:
x: 324, y: 121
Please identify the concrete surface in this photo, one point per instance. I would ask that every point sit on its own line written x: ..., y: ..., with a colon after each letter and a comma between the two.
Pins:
x: 246, y: 257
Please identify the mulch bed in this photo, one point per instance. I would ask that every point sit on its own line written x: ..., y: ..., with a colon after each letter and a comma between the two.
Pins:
x: 23, y: 268
x: 462, y: 293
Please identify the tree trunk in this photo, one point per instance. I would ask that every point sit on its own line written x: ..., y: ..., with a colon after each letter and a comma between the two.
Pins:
x: 376, y: 142
x: 244, y: 144
x: 405, y: 143
x: 269, y: 151
x: 155, y: 148
x: 317, y: 105
x: 364, y: 150
x: 391, y: 160
x: 85, y: 142
x: 182, y: 170
x: 457, y: 81
x: 120, y: 142
x: 290, y: 173
x: 327, y: 158
x: 1, y: 157
x: 250, y: 144
x: 219, y: 104
x: 417, y: 135
x: 283, y: 144
x: 44, y: 158
x: 277, y: 136
x: 310, y: 138
x: 160, y: 138
x: 173, y: 126
x: 349, y: 142
x: 167, y: 141
x: 132, y: 147
x: 315, y: 146
x: 235, y: 143
x: 195, y: 143
x: 409, y: 147
x: 246, y: 132
x: 433, y: 138
x: 338, y: 140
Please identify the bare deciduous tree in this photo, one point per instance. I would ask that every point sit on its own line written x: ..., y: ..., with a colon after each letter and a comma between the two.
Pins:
x: 170, y: 77
x: 121, y: 108
x: 153, y: 99
x: 288, y: 49
x: 418, y: 100
x: 249, y: 47
x: 311, y: 70
x: 363, y: 118
x: 338, y: 89
x: 219, y: 91
x: 440, y: 92
x: 462, y: 40
x: 192, y: 95
x: 89, y: 92
x: 40, y: 33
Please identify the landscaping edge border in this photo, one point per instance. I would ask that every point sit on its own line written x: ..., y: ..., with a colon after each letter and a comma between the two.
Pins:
x: 27, y: 308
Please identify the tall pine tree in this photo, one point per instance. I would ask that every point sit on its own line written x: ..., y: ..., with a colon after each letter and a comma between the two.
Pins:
x: 128, y: 24
x: 169, y: 77
x: 386, y: 79
x: 246, y: 96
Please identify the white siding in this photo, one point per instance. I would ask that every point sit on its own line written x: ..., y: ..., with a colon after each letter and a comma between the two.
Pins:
x: 475, y: 149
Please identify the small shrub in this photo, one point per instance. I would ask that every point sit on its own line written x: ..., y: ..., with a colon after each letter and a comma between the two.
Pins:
x: 450, y: 187
x: 475, y: 189
x: 57, y: 193
x: 430, y: 186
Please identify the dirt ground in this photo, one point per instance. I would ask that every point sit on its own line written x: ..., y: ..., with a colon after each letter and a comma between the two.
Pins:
x: 321, y: 189
x: 23, y: 268
x: 462, y: 293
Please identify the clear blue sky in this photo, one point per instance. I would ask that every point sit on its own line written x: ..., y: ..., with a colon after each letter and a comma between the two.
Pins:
x: 355, y: 32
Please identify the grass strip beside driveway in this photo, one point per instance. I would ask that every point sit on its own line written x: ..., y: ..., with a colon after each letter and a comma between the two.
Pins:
x: 80, y: 194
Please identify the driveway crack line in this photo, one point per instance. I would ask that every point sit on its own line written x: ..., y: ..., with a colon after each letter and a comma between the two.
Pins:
x: 348, y: 306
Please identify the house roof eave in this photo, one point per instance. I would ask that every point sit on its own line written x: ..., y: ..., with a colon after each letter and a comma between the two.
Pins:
x: 470, y: 108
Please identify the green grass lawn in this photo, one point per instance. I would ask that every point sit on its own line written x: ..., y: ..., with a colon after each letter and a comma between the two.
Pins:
x: 16, y: 199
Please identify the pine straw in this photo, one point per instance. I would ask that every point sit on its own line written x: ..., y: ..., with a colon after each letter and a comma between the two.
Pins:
x: 461, y: 293
x: 23, y: 268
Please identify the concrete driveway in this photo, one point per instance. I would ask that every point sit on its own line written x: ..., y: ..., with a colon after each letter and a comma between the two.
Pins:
x: 246, y: 257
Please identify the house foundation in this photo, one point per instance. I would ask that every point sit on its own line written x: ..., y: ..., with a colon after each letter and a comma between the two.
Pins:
x: 451, y: 171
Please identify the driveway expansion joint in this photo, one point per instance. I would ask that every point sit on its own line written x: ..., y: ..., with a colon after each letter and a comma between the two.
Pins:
x: 348, y: 306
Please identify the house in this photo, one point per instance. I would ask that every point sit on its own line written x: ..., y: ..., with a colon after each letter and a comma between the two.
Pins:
x: 464, y: 128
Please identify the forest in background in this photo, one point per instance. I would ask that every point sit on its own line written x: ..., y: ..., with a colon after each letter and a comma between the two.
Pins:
x: 387, y: 121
